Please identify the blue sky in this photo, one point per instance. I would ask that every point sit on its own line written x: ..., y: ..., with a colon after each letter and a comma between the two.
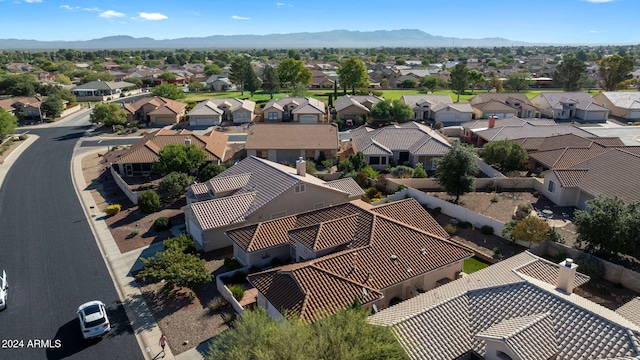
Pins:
x: 548, y: 21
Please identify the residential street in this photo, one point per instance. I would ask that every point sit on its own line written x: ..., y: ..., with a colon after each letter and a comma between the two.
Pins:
x: 51, y: 257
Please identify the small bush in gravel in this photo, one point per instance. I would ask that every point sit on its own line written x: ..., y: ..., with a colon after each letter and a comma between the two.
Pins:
x: 113, y: 209
x: 162, y: 223
x: 486, y: 230
x: 450, y: 229
x: 496, y: 251
x: 216, y: 303
x: 237, y: 290
x: 464, y: 225
x: 590, y: 265
x: 148, y: 202
x: 22, y: 137
x: 227, y: 318
x: 133, y: 233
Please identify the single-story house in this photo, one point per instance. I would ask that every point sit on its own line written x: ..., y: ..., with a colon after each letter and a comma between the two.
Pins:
x: 347, y: 251
x: 295, y: 109
x: 502, y: 105
x: 320, y: 80
x: 215, y: 111
x: 625, y: 105
x: 404, y: 144
x: 25, y: 107
x: 569, y: 106
x: 255, y: 190
x: 614, y: 173
x: 156, y: 111
x: 100, y: 90
x: 438, y: 108
x: 352, y: 106
x: 286, y: 143
x: 138, y: 159
x: 218, y: 83
x: 520, y: 308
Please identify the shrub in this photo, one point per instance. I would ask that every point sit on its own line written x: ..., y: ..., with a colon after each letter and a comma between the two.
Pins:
x: 437, y: 211
x: 486, y: 230
x: 133, y: 233
x: 450, y: 229
x: 372, y: 193
x: 464, y: 225
x: 113, y: 209
x: 371, y: 173
x: 22, y: 137
x: 216, y: 303
x: 231, y: 264
x: 560, y: 256
x: 402, y: 171
x: 183, y: 243
x: 148, y: 202
x: 237, y: 290
x: 191, y: 295
x: 162, y: 223
x: 494, y: 199
x: 497, y: 251
x: 227, y: 317
x: 591, y: 266
x: 555, y: 236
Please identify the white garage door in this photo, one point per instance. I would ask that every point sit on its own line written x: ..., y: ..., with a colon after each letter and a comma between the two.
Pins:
x: 446, y: 116
x: 202, y: 122
x: 308, y: 119
x: 634, y: 115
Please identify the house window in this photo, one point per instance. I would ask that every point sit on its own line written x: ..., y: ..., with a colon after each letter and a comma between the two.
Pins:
x: 242, y: 116
x: 374, y: 160
x: 262, y: 154
x: 299, y: 189
x: 383, y: 160
x: 272, y: 116
x: 403, y: 157
x: 310, y: 154
x: 278, y: 214
x: 552, y: 187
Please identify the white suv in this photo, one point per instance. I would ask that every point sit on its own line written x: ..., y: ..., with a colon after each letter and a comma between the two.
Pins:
x: 93, y: 319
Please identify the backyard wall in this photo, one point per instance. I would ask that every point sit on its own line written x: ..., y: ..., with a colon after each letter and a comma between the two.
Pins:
x: 481, y: 183
x: 132, y: 195
x: 615, y: 273
x: 71, y: 110
x: 226, y: 293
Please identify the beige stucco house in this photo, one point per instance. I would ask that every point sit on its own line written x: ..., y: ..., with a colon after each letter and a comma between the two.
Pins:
x: 102, y: 90
x: 255, y: 190
x: 156, y: 111
x: 286, y: 143
x: 625, y: 105
x: 379, y: 255
x: 570, y: 106
x: 352, y: 106
x: 295, y: 109
x: 502, y: 105
x: 216, y: 111
x: 438, y: 108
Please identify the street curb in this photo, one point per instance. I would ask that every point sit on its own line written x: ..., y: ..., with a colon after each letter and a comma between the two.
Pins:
x: 11, y: 158
x: 144, y: 325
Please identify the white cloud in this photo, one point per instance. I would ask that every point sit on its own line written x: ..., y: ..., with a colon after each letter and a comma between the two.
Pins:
x: 193, y: 13
x: 236, y: 17
x: 595, y: 31
x: 110, y: 14
x: 283, y: 4
x: 70, y: 8
x: 598, y: 1
x: 33, y: 1
x: 92, y: 9
x: 152, y: 16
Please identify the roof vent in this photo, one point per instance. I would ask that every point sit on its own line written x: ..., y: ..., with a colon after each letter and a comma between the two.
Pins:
x: 423, y: 251
x: 394, y: 259
x: 187, y: 140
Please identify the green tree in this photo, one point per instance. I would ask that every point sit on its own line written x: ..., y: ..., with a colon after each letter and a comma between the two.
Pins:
x: 212, y: 69
x: 613, y: 70
x: 148, y: 202
x: 8, y: 124
x: 476, y: 78
x: 381, y: 58
x: 108, y: 114
x: 292, y: 72
x: 352, y: 73
x: 386, y: 111
x: 270, y: 80
x: 196, y: 86
x: 455, y: 171
x: 419, y: 172
x: 531, y: 229
x: 179, y: 158
x: 459, y: 79
x: 63, y: 79
x: 239, y: 71
x: 355, y: 162
x: 345, y: 335
x: 430, y: 83
x: 495, y: 83
x: 408, y: 84
x: 167, y: 76
x: 518, y: 81
x: 173, y: 185
x: 609, y: 226
x: 507, y: 155
x: 169, y: 91
x: 19, y: 85
x: 176, y: 268
x: 252, y: 83
x: 52, y: 106
x: 210, y: 171
x: 570, y: 74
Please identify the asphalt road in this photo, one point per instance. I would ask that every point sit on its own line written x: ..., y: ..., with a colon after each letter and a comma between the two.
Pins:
x: 52, y: 260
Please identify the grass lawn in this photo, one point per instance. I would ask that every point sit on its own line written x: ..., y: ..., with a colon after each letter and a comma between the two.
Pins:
x: 472, y: 265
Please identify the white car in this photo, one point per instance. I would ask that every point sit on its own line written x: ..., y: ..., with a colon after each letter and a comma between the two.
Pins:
x: 93, y: 319
x: 4, y: 285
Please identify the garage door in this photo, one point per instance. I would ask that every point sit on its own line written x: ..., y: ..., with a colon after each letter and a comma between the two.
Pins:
x: 202, y: 122
x: 446, y: 116
x: 308, y: 119
x: 634, y: 115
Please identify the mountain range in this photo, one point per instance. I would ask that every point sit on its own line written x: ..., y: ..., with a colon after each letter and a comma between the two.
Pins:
x: 325, y: 39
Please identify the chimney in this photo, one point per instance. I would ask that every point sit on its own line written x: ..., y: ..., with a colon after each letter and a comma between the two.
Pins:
x: 301, y: 167
x: 492, y: 121
x: 567, y: 275
x: 187, y: 140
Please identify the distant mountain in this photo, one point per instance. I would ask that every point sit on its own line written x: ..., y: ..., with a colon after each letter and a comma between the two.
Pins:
x: 328, y: 39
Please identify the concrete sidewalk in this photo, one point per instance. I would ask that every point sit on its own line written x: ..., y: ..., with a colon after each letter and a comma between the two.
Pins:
x: 144, y: 325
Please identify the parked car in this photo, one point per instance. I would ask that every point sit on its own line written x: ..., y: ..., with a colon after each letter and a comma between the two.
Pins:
x: 93, y: 319
x: 4, y: 285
